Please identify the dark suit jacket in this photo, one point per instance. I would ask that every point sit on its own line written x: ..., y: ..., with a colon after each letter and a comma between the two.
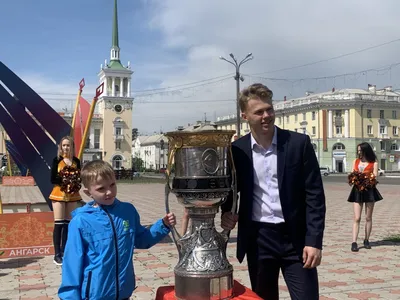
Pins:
x: 300, y: 189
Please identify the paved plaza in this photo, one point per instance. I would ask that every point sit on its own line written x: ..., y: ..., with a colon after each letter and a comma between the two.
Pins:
x: 368, y: 274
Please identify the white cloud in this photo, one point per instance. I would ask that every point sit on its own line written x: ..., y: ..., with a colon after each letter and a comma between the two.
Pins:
x: 280, y: 34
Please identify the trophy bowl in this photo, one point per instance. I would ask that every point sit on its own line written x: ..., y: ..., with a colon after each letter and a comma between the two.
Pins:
x: 204, y: 175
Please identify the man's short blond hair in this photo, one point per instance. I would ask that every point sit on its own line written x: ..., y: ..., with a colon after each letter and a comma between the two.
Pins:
x: 94, y: 169
x: 254, y: 91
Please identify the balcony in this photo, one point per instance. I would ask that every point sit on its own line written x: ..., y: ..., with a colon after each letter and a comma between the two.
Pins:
x: 338, y: 121
x: 118, y: 137
x: 383, y: 122
x: 383, y: 136
x: 303, y: 124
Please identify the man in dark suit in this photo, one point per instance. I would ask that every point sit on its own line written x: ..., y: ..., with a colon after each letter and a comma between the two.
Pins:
x: 281, y: 215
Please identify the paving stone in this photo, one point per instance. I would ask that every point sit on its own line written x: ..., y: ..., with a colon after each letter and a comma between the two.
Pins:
x: 367, y: 274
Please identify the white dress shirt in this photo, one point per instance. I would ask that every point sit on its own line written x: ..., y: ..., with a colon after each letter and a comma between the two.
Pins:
x: 266, y: 201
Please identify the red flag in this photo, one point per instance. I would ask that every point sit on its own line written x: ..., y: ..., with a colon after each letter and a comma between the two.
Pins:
x: 81, y: 119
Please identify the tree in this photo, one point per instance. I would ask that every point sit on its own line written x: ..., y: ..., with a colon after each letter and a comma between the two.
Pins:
x: 137, y: 164
x: 135, y: 133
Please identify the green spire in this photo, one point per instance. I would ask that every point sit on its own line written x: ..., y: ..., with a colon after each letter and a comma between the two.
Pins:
x: 115, y: 62
x: 115, y: 41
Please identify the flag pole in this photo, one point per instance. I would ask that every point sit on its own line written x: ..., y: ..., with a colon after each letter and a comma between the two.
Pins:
x: 78, y: 96
x: 99, y: 91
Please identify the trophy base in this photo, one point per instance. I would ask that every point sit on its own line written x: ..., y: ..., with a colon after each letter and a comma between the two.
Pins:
x: 203, y: 288
x: 203, y: 271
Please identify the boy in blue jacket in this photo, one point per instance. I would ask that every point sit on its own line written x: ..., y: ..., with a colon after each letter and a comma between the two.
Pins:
x: 102, y: 237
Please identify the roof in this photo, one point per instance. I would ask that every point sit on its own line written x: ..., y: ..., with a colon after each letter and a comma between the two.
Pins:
x: 146, y: 140
x: 200, y: 126
x: 381, y: 92
x: 116, y: 65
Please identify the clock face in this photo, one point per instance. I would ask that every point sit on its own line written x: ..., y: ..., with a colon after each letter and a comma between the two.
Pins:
x: 118, y: 108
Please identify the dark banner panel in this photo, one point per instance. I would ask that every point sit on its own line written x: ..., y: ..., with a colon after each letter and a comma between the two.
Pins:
x: 37, y: 136
x: 17, y: 158
x: 39, y: 169
x: 47, y: 116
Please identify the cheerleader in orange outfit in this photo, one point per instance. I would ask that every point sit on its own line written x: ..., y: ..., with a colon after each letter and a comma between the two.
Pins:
x: 366, y: 163
x: 63, y: 203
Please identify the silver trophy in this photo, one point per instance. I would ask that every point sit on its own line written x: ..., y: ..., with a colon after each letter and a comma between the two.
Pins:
x: 204, y: 175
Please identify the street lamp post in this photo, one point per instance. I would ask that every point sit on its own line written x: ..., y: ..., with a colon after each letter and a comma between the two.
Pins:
x: 161, y: 153
x: 237, y: 78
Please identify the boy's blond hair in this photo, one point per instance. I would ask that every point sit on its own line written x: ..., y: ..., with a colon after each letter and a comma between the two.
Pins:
x: 95, y: 168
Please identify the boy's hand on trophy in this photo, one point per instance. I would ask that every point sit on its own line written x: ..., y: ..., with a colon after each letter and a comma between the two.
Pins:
x: 169, y: 220
x: 229, y: 220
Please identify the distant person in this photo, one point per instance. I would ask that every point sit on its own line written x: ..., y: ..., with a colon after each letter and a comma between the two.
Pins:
x: 282, y: 202
x: 63, y: 203
x: 98, y: 259
x: 365, y: 163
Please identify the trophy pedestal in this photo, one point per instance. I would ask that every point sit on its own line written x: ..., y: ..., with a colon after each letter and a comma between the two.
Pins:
x: 188, y: 288
x: 240, y: 292
x: 203, y: 271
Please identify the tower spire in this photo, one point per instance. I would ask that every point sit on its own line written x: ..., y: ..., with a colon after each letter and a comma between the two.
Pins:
x: 115, y: 41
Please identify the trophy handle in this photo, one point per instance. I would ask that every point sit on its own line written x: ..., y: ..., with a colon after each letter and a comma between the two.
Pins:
x: 175, y: 235
x: 226, y: 233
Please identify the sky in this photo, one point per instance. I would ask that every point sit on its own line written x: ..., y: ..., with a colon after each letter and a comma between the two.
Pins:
x: 174, y: 48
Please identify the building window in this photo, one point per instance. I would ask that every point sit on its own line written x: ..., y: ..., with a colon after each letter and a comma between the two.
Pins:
x: 118, y: 131
x: 304, y: 131
x: 295, y: 117
x: 369, y: 113
x: 117, y: 162
x: 381, y: 114
x: 96, y: 138
x: 304, y: 116
x: 382, y: 129
x: 314, y: 131
x: 287, y: 119
x: 394, y: 147
x: 338, y: 146
x: 338, y: 129
x: 369, y: 129
x: 313, y: 115
x: 338, y: 113
x: 383, y: 146
x: 295, y: 129
x: 394, y: 114
x: 395, y: 130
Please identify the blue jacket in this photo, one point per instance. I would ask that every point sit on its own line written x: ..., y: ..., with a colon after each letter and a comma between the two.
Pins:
x: 98, y: 256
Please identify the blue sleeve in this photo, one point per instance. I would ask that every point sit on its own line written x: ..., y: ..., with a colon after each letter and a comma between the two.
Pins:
x: 148, y: 237
x: 72, y: 268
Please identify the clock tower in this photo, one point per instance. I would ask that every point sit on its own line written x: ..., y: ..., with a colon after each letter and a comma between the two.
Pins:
x: 115, y: 106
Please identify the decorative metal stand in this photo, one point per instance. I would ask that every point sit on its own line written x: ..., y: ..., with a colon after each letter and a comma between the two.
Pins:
x: 204, y: 176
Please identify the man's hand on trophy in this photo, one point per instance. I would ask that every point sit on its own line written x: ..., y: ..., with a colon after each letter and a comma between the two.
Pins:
x: 169, y: 220
x: 229, y: 220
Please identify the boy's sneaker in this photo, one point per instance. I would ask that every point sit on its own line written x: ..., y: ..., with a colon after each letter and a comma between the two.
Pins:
x: 58, y: 260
